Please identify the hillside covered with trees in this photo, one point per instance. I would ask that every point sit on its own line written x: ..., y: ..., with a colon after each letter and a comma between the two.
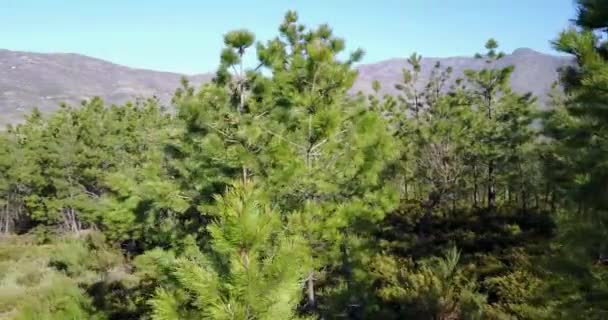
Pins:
x: 272, y: 192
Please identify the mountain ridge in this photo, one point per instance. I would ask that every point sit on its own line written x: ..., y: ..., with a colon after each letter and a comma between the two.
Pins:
x: 44, y: 80
x: 534, y: 72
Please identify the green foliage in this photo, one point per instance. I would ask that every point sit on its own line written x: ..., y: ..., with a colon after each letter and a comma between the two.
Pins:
x: 273, y: 193
x: 579, y: 153
x: 289, y: 126
x: 435, y: 289
x: 56, y: 167
x: 254, y: 268
x: 46, y: 281
x: 61, y: 300
x: 592, y: 14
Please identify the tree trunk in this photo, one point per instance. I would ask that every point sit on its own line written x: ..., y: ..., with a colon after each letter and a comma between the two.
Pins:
x: 491, y: 183
x: 241, y: 85
x: 547, y: 196
x: 5, y: 217
x: 310, y: 288
x: 491, y: 186
x: 429, y: 205
x: 475, y: 186
x: 70, y: 220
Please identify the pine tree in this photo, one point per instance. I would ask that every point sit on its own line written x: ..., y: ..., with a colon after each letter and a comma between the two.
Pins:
x: 412, y: 97
x: 517, y: 159
x: 22, y: 172
x: 327, y: 151
x: 585, y: 86
x: 443, y: 139
x: 19, y: 172
x: 218, y: 136
x: 580, y: 146
x: 289, y: 125
x: 254, y: 269
x: 436, y: 86
x: 436, y: 289
x: 405, y: 118
x: 487, y: 85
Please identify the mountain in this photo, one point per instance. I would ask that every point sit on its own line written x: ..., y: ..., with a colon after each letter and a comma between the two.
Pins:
x: 45, y: 80
x: 535, y: 72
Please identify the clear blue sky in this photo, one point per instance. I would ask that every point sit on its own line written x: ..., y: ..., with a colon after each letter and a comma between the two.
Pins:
x: 186, y: 35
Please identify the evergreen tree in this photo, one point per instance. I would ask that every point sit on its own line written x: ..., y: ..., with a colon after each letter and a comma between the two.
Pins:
x: 517, y: 161
x: 579, y: 146
x: 254, y: 268
x: 273, y: 193
x: 436, y: 289
x: 290, y: 126
x: 337, y: 148
x: 487, y: 86
x: 19, y: 172
x: 412, y: 96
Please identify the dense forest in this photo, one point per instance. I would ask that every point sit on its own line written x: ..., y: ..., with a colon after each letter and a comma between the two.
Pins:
x: 273, y: 193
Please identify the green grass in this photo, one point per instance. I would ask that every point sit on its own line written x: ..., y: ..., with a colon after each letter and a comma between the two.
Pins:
x: 47, y: 281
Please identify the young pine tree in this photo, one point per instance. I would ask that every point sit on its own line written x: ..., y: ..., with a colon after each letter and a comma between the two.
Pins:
x: 486, y: 87
x: 580, y: 133
x: 254, y: 268
x: 326, y: 152
x: 434, y: 289
x: 290, y: 126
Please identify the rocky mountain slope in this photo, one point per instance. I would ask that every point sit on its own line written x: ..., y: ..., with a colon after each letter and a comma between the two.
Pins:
x: 534, y: 71
x: 45, y: 80
x: 30, y: 80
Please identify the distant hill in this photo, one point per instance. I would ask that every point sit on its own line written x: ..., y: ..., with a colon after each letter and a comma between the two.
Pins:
x: 535, y: 72
x: 44, y: 80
